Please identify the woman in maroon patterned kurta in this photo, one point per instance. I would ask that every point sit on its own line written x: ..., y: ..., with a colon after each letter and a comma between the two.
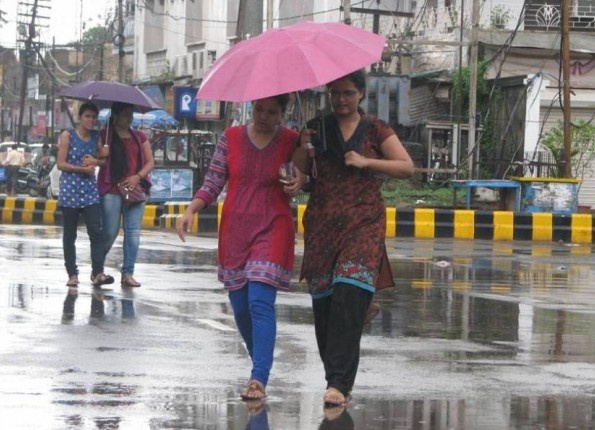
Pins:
x: 344, y: 225
x: 257, y: 233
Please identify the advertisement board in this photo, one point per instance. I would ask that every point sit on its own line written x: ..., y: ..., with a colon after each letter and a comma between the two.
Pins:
x: 171, y: 184
x: 206, y: 109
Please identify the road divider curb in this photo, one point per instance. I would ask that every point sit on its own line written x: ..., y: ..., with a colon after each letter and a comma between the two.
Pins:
x: 401, y: 222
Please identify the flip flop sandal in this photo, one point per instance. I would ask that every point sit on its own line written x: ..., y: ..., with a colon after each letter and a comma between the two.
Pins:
x: 333, y: 398
x: 254, y: 391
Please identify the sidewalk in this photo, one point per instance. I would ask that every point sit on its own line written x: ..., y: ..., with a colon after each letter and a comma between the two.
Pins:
x: 408, y: 222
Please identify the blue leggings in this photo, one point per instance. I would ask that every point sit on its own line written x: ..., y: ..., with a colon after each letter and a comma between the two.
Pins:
x: 254, y: 312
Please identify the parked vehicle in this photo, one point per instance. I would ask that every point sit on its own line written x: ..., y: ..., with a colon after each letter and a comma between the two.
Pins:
x: 27, y: 180
x: 53, y: 187
x: 36, y: 150
x: 44, y: 178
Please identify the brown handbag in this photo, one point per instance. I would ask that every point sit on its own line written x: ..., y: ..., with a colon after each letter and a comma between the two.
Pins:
x: 132, y: 195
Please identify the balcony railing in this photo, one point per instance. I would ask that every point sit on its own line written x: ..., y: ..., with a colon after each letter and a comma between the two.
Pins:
x: 156, y: 62
x: 432, y: 22
x: 547, y: 16
x: 540, y: 15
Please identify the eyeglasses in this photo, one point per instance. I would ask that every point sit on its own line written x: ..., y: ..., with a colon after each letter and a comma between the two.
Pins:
x: 348, y: 94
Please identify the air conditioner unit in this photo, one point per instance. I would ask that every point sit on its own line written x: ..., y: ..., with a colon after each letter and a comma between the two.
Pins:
x: 199, y: 70
x: 192, y: 63
x: 206, y: 60
x: 210, y: 58
x: 181, y: 68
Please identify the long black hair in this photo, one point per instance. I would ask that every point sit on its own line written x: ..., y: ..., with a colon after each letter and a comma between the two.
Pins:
x: 118, y: 163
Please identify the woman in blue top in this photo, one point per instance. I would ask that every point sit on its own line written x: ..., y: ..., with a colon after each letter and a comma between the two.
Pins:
x: 79, y: 195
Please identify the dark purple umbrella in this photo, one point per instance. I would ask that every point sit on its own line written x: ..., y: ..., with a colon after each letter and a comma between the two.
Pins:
x: 103, y: 93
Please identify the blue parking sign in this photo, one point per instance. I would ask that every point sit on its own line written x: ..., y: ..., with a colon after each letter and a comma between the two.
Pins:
x: 185, y: 102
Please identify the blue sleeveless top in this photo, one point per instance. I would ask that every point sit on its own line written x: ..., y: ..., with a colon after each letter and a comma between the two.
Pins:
x: 78, y: 190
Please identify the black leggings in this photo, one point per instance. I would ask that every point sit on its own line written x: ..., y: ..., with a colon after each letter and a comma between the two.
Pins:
x: 92, y: 217
x: 339, y: 322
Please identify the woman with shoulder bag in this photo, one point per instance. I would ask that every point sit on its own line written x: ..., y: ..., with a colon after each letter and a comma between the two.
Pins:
x: 127, y: 163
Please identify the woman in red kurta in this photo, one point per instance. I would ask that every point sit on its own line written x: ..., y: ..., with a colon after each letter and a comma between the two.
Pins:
x: 257, y: 233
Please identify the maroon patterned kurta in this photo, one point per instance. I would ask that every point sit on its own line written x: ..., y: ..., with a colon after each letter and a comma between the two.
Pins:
x: 344, y: 222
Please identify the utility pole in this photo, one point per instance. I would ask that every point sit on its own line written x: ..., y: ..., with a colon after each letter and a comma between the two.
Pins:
x: 566, y: 88
x: 53, y: 95
x: 472, y: 149
x: 26, y: 64
x: 269, y: 14
x: 249, y: 25
x: 28, y: 31
x: 376, y: 13
x: 250, y: 21
x: 347, y: 12
x: 120, y: 43
x: 458, y: 105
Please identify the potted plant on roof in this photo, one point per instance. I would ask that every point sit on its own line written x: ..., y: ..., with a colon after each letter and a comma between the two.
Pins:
x: 499, y: 17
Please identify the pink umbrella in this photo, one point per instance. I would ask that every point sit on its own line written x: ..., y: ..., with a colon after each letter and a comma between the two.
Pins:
x: 297, y: 57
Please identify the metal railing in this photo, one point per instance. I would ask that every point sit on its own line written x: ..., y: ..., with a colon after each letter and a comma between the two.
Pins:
x: 540, y: 15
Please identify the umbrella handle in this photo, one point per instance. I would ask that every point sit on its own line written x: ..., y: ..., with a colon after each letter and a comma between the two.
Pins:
x: 312, y: 155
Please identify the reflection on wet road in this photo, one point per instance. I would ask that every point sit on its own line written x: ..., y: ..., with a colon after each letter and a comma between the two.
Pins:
x: 476, y: 335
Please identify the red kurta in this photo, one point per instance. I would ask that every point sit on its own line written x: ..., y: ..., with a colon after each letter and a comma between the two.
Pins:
x: 257, y: 232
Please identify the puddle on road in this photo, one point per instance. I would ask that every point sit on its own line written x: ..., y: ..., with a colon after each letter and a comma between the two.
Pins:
x: 473, y: 314
x: 194, y: 412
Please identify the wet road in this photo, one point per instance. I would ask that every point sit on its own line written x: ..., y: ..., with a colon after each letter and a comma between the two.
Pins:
x: 476, y: 335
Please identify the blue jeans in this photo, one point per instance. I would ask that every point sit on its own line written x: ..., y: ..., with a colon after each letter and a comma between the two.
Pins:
x: 254, y: 312
x: 113, y: 212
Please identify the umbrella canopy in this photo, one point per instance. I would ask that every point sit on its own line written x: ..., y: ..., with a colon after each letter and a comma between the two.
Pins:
x: 153, y: 118
x: 296, y: 57
x: 103, y: 93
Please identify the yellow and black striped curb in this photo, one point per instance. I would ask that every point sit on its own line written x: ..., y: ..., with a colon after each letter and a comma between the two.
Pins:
x: 18, y: 210
x: 207, y: 221
x: 26, y: 210
x: 406, y: 222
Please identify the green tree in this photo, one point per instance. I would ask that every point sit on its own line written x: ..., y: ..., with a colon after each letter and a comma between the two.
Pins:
x: 582, y: 148
x: 461, y: 86
x: 92, y: 38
